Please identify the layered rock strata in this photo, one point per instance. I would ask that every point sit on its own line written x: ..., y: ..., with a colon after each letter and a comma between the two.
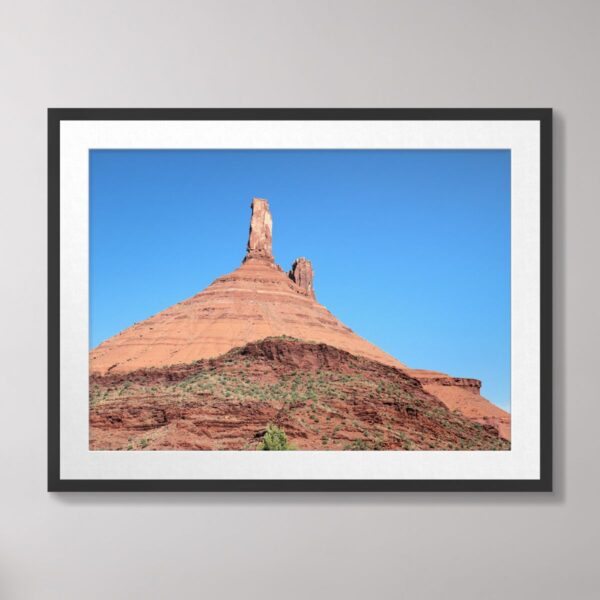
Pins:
x: 322, y: 398
x: 259, y: 300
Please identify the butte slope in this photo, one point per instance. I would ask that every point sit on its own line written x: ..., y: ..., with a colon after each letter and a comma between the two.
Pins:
x: 255, y: 301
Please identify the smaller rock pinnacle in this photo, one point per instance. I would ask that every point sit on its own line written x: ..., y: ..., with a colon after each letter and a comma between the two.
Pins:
x: 301, y: 274
x: 260, y: 239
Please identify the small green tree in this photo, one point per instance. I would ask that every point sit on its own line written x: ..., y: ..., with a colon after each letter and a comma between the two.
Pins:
x: 274, y: 439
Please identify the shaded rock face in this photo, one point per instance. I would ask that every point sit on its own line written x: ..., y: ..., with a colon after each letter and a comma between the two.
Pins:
x: 463, y: 395
x: 260, y: 238
x: 302, y: 275
x: 322, y: 398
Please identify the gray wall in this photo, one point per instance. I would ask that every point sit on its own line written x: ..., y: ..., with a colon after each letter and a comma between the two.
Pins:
x: 387, y: 54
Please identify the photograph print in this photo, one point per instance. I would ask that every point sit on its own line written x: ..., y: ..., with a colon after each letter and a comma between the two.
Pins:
x: 258, y: 356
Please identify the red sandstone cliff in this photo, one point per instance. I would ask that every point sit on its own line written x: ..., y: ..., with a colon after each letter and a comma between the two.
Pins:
x: 463, y: 395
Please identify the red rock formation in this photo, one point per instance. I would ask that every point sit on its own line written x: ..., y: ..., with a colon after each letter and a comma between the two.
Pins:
x: 256, y: 301
x: 302, y: 274
x: 463, y: 395
x: 322, y: 397
x: 260, y: 238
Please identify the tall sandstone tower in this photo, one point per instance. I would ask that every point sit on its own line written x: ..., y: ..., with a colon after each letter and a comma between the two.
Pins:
x: 260, y: 238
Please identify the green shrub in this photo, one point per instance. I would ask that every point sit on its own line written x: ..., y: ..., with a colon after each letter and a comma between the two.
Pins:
x: 274, y: 439
x: 356, y: 445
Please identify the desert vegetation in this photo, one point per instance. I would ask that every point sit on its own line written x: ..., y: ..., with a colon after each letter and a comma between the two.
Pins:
x: 278, y: 394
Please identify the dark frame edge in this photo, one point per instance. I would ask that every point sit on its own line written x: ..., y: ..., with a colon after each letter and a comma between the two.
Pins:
x: 543, y: 484
x: 276, y: 114
x: 299, y: 485
x: 54, y: 483
x: 546, y: 306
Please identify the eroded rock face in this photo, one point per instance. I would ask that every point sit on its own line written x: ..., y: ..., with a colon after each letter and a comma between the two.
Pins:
x: 463, y: 395
x: 260, y: 239
x: 302, y: 274
x: 322, y: 397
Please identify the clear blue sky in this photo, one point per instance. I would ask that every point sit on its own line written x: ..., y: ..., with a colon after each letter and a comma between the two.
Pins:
x: 411, y: 249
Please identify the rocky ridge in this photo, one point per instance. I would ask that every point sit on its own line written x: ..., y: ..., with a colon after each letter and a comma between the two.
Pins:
x: 322, y: 397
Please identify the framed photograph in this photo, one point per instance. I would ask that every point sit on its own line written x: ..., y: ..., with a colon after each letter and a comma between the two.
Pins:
x: 300, y: 300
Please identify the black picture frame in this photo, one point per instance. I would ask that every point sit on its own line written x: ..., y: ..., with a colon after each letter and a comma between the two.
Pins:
x: 58, y: 115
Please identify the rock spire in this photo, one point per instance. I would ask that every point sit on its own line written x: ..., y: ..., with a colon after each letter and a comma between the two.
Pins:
x: 260, y: 239
x: 302, y: 274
